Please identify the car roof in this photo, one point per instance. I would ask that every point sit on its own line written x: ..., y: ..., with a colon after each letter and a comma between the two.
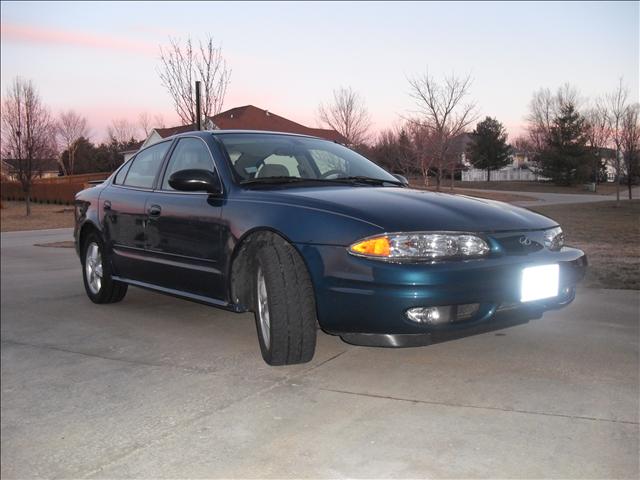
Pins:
x: 202, y: 133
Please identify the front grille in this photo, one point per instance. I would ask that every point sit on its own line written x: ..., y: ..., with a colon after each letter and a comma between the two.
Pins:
x: 521, y: 243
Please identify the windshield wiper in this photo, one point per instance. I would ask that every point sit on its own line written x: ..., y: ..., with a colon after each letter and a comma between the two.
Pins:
x: 367, y: 180
x: 342, y: 180
x: 280, y: 179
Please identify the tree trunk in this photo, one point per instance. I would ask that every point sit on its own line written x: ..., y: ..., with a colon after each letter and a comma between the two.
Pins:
x: 488, y: 174
x: 27, y: 201
x: 617, y: 177
x: 425, y: 174
x: 629, y: 182
x: 438, y: 179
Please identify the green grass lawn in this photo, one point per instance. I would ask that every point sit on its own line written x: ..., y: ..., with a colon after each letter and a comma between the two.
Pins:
x: 609, y: 235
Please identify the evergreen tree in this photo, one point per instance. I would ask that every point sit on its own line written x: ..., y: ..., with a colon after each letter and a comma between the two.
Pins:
x: 565, y: 159
x: 489, y: 150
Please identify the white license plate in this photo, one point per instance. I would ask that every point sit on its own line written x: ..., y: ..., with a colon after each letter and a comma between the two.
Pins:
x: 540, y: 282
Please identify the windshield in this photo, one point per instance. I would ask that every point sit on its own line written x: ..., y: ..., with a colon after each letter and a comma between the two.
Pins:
x: 272, y: 158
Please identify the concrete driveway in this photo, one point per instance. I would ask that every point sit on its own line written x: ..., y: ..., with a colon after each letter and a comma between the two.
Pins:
x: 156, y: 387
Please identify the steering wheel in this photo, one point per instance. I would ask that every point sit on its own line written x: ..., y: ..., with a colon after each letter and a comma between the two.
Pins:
x: 328, y: 173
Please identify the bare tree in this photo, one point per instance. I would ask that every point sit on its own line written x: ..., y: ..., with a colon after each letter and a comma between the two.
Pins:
x: 158, y: 121
x: 544, y: 107
x: 70, y: 127
x: 598, y: 134
x: 122, y: 131
x: 442, y: 111
x: 347, y: 114
x: 616, y: 104
x: 181, y: 65
x: 394, y: 150
x: 631, y: 143
x: 542, y: 111
x: 424, y: 146
x: 144, y: 122
x: 28, y: 137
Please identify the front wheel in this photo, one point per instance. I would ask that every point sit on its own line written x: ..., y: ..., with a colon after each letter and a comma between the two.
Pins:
x: 285, y: 308
x: 96, y: 273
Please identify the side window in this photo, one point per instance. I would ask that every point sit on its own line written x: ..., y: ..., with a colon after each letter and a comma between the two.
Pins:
x: 145, y: 166
x: 190, y: 153
x: 121, y: 174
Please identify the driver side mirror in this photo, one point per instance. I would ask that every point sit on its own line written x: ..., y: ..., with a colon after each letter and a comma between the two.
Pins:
x: 402, y: 179
x: 196, y: 181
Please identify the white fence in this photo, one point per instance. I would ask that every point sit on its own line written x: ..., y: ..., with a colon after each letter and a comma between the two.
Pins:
x: 503, y: 175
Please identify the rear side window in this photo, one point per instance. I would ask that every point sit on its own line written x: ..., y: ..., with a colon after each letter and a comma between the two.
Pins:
x: 122, y: 173
x: 190, y: 153
x: 145, y: 166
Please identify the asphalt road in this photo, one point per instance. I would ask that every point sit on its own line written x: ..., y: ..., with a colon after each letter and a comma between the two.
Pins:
x: 158, y: 387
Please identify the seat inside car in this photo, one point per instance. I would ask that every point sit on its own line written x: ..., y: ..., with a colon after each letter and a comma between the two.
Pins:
x: 273, y: 170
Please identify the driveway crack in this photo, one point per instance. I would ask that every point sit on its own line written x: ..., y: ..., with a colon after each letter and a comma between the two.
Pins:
x: 113, y: 359
x: 480, y: 407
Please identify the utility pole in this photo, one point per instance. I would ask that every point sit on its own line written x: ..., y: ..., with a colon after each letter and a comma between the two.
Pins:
x: 198, y: 112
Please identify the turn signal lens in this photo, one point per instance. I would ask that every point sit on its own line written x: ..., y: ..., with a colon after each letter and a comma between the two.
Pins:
x: 377, y: 247
x: 421, y: 246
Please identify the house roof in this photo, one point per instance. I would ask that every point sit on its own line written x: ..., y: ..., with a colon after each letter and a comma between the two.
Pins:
x: 167, y: 132
x: 134, y: 147
x: 249, y: 117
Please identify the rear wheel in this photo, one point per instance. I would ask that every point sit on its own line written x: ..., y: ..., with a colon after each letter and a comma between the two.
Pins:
x: 285, y: 309
x: 96, y: 273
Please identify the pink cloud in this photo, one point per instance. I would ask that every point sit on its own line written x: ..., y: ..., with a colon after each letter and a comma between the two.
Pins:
x: 47, y: 36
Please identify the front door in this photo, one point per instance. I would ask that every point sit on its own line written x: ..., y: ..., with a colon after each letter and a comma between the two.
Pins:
x: 183, y: 238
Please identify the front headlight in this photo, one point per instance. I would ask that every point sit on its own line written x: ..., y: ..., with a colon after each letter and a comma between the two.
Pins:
x: 554, y: 238
x: 421, y: 246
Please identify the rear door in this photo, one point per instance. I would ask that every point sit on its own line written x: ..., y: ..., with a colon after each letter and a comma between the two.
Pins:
x: 184, y: 241
x: 123, y: 205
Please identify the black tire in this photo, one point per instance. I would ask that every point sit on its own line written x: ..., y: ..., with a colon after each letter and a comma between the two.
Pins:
x: 291, y: 304
x: 109, y: 290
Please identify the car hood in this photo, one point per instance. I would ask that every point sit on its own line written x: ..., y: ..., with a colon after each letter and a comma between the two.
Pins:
x: 403, y: 209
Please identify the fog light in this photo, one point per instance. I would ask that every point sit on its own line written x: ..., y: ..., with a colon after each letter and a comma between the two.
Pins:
x: 430, y: 315
x: 444, y: 314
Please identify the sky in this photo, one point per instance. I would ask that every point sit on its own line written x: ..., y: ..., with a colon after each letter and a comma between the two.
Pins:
x: 101, y: 59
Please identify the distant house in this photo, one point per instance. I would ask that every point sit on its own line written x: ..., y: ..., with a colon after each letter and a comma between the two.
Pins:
x: 48, y: 168
x: 6, y: 171
x: 520, y: 167
x: 241, y: 118
x: 608, y: 158
x: 523, y: 167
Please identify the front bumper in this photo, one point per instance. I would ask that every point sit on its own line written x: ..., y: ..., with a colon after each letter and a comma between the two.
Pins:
x: 365, y: 300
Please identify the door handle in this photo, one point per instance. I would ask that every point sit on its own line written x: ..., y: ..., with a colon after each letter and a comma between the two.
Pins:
x: 154, y: 211
x: 106, y: 205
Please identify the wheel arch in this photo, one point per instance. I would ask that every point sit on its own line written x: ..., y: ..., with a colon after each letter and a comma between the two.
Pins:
x: 86, y: 228
x: 243, y: 264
